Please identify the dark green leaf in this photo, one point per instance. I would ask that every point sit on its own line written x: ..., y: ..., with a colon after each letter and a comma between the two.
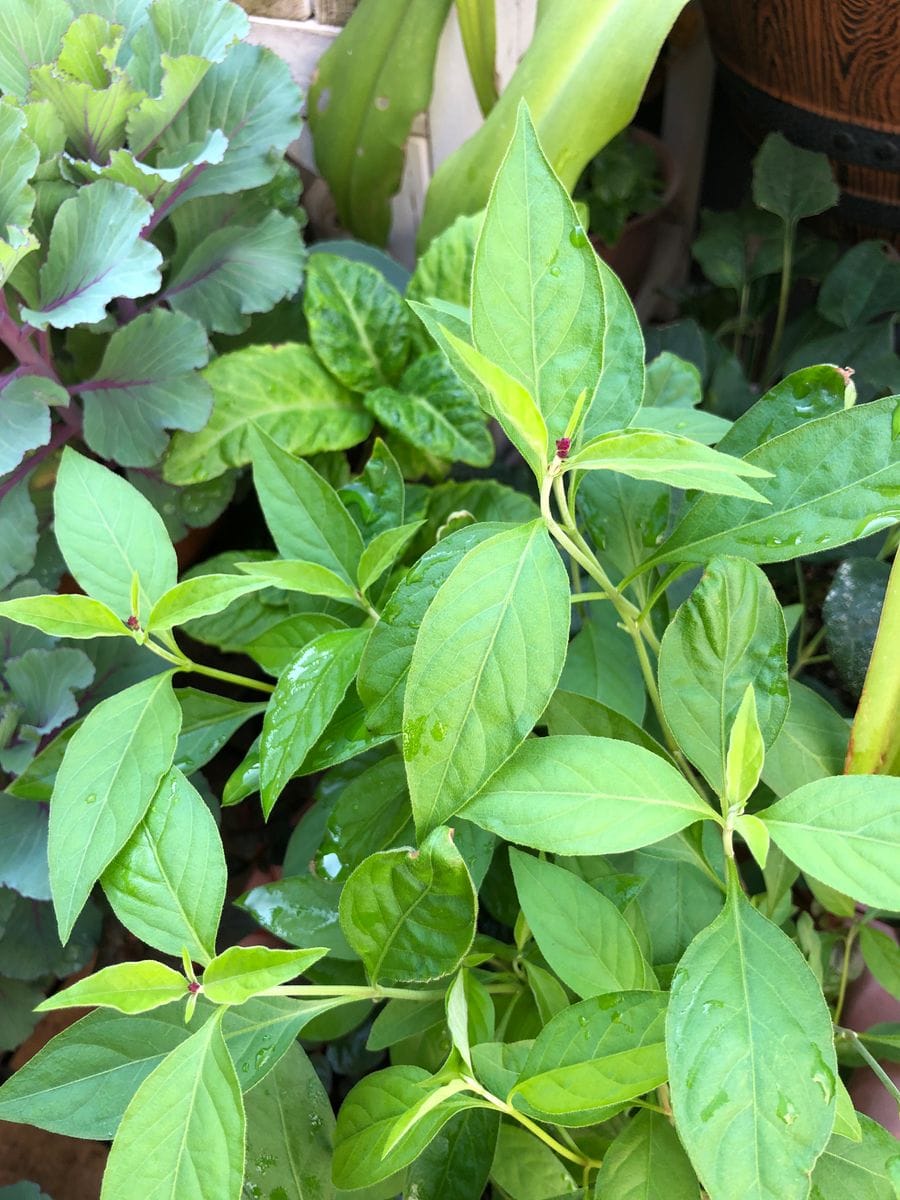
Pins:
x: 302, y: 910
x: 569, y: 713
x: 852, y: 610
x: 864, y: 284
x: 805, y: 395
x: 601, y: 663
x: 812, y: 743
x: 791, y: 182
x: 647, y: 1162
x: 23, y: 847
x: 372, y: 813
x: 207, y: 723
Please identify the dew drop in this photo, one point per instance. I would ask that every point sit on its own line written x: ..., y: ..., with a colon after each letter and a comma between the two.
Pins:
x: 555, y: 271
x: 382, y: 103
x: 91, y: 799
x: 578, y: 237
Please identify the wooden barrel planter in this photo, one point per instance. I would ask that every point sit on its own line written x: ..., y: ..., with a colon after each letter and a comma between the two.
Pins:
x: 826, y: 73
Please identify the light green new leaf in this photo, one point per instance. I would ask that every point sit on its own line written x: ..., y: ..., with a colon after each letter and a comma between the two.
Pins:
x: 537, y: 299
x: 303, y: 512
x: 582, y: 935
x: 183, y: 1132
x: 368, y: 1117
x: 290, y: 1130
x: 487, y: 660
x: 96, y: 254
x: 752, y: 1067
x: 131, y: 987
x: 809, y: 509
x: 666, y: 458
x: 305, y: 699
x: 812, y: 743
x: 746, y: 751
x: 791, y: 182
x: 600, y: 1052
x: 107, y: 531
x: 358, y: 324
x: 167, y: 883
x: 199, y: 597
x: 147, y: 382
x: 647, y: 1162
x: 242, y: 972
x: 585, y: 795
x: 236, y: 271
x: 308, y: 577
x: 728, y: 635
x: 286, y: 392
x: 65, y: 616
x: 362, y: 105
x: 383, y: 550
x: 846, y: 832
x: 26, y: 41
x: 111, y: 770
x: 410, y: 914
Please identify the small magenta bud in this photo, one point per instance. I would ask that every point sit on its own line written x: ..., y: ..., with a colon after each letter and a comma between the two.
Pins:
x: 133, y: 622
x: 193, y: 987
x: 562, y: 447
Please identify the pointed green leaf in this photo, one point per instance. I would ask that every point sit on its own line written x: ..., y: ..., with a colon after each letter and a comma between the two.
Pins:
x: 803, y: 396
x: 752, y: 1066
x: 292, y: 575
x: 791, y: 182
x: 207, y: 722
x: 167, y: 883
x: 456, y: 1165
x: 199, y: 597
x: 728, y: 635
x: 300, y: 909
x: 410, y: 914
x: 237, y: 271
x: 147, y: 382
x: 537, y: 299
x: 601, y: 663
x: 487, y: 659
x: 65, y: 616
x: 570, y: 713
x: 746, y: 751
x: 282, y: 389
x: 107, y: 531
x: 383, y: 550
x: 863, y: 284
x: 581, y: 934
x: 111, y: 770
x: 846, y: 832
x: 183, y: 1132
x: 132, y: 987
x: 242, y: 972
x: 647, y: 1162
x: 304, y: 701
x: 585, y: 795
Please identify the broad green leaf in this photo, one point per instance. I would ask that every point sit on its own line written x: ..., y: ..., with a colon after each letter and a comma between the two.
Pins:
x: 180, y: 75
x: 527, y: 1169
x: 846, y: 832
x: 487, y: 659
x: 865, y: 1170
x: 371, y: 813
x: 444, y: 271
x: 293, y: 575
x: 598, y: 1053
x: 752, y: 1067
x: 199, y: 597
x: 456, y: 1164
x: 146, y: 383
x: 26, y: 418
x: 383, y: 550
x: 96, y: 254
x: 389, y: 650
x: 803, y: 396
x: 791, y: 182
x: 882, y: 955
x: 537, y: 299
x: 275, y: 648
x: 581, y: 934
x: 236, y: 271
x: 132, y: 987
x: 112, y: 768
x: 366, y: 1123
x: 809, y: 509
x: 434, y: 411
x: 207, y: 722
x: 585, y: 795
x: 358, y: 324
x: 601, y: 663
x: 23, y: 848
x: 626, y: 517
x: 286, y: 392
x: 252, y: 98
x: 746, y: 751
x: 569, y: 713
x: 167, y: 883
x: 303, y: 512
x: 26, y: 42
x: 183, y: 1132
x: 863, y: 284
x: 410, y: 914
x: 19, y: 533
x: 647, y: 1162
x: 171, y: 30
x: 290, y: 1129
x: 107, y: 532
x: 400, y: 1019
x: 305, y: 699
x: 300, y: 909
x: 621, y: 386
x: 812, y: 743
x: 667, y: 458
x: 695, y: 424
x: 65, y: 616
x: 242, y: 972
x: 671, y: 382
x: 728, y: 635
x: 362, y: 106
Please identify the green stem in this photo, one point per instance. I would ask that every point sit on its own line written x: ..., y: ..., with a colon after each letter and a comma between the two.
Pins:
x: 563, y: 1151
x: 807, y: 654
x: 851, y: 1035
x: 845, y: 972
x: 784, y: 296
x: 741, y: 321
x: 183, y: 663
x: 875, y: 736
x: 354, y: 991
x: 583, y: 597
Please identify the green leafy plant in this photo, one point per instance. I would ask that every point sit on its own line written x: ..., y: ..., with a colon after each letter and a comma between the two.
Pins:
x: 569, y: 900
x: 620, y: 182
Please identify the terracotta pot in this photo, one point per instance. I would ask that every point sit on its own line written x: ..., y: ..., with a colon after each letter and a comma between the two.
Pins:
x: 630, y: 256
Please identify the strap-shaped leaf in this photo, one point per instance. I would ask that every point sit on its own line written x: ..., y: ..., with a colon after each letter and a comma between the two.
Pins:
x: 132, y: 987
x: 65, y: 616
